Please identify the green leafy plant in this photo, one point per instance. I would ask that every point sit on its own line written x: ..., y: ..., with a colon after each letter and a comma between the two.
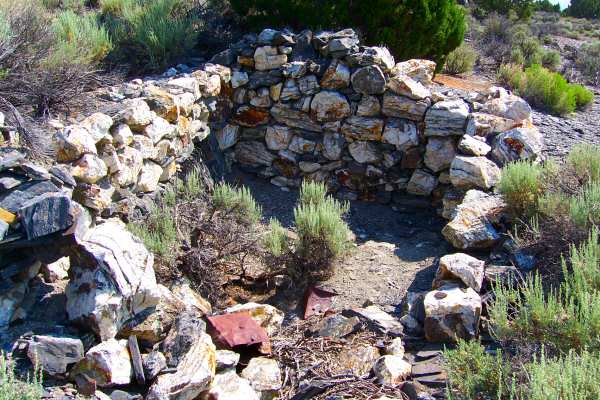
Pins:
x: 12, y: 388
x: 585, y: 207
x: 276, y: 240
x: 461, y: 60
x: 412, y: 29
x: 521, y: 186
x: 551, y: 59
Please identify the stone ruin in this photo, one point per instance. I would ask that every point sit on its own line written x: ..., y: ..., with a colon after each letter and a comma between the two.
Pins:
x: 287, y: 107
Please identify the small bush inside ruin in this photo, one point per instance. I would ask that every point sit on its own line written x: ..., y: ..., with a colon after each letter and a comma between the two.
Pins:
x: 276, y: 240
x: 236, y: 202
x: 521, y: 185
x: 585, y: 159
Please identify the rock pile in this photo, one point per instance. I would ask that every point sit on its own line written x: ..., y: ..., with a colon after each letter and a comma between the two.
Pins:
x: 321, y: 106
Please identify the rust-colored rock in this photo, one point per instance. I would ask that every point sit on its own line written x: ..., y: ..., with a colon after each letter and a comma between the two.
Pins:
x: 251, y: 117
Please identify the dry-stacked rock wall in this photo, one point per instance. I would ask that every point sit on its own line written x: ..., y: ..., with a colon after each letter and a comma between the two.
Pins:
x: 321, y: 106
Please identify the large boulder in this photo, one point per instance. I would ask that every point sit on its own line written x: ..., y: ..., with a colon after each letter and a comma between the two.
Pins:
x: 472, y: 225
x: 112, y: 279
x: 53, y: 354
x: 460, y: 266
x: 518, y: 144
x: 193, y: 375
x: 451, y: 313
x: 420, y: 70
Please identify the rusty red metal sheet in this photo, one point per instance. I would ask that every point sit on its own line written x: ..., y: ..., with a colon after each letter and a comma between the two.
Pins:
x: 237, y: 329
x: 318, y: 301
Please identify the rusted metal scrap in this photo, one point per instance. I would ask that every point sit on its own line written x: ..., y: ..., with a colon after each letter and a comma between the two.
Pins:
x: 238, y: 329
x: 318, y: 301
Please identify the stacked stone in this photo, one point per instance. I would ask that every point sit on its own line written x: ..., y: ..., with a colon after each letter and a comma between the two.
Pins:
x: 323, y: 107
x: 113, y: 159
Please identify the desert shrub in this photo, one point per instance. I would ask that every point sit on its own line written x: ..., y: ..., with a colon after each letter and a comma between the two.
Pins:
x: 192, y: 186
x: 496, y: 28
x: 237, y: 202
x: 472, y: 372
x: 312, y: 193
x: 522, y: 8
x: 276, y: 240
x: 461, y: 60
x: 79, y: 39
x: 551, y: 59
x: 553, y: 204
x: 584, y: 9
x: 562, y: 318
x: 521, y: 185
x: 585, y: 159
x: 546, y: 89
x: 546, y: 6
x: 517, y: 57
x: 588, y: 60
x: 74, y: 5
x: 411, y: 29
x: 153, y: 34
x: 585, y: 207
x: 322, y: 232
x: 12, y: 388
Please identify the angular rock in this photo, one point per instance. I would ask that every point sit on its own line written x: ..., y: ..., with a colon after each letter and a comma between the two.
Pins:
x: 149, y: 177
x: 486, y: 125
x: 97, y: 197
x: 336, y: 76
x: 73, y: 142
x: 264, y: 375
x: 379, y: 56
x: 395, y: 348
x: 253, y: 154
x: 446, y: 118
x: 401, y: 133
x: 300, y: 145
x: 518, y: 144
x: 154, y: 363
x: 239, y: 78
x: 391, y: 370
x: 46, y: 214
x: 293, y: 118
x: 369, y: 80
x: 421, y: 183
x: 309, y: 167
x: 290, y: 91
x: 53, y: 354
x: 228, y: 136
x: 471, y: 227
x: 403, y: 107
x: 182, y: 336
x: 193, y: 376
x: 89, y: 169
x: 108, y: 364
x: 379, y: 320
x: 159, y: 128
x: 451, y: 313
x: 309, y: 85
x: 137, y: 114
x: 209, y: 85
x: 333, y: 145
x: 460, y: 266
x: 278, y: 137
x: 267, y: 316
x: 509, y: 107
x: 336, y: 326
x: 420, y: 70
x: 295, y: 69
x: 361, y: 128
x: 473, y: 147
x: 131, y: 162
x: 404, y: 85
x: 368, y: 106
x: 364, y: 152
x: 11, y: 159
x: 266, y: 58
x: 328, y: 106
x: 439, y: 153
x: 264, y: 78
x: 250, y: 117
x: 98, y: 125
x: 229, y: 386
x: 358, y: 359
x: 474, y: 172
x: 227, y: 359
x: 112, y: 279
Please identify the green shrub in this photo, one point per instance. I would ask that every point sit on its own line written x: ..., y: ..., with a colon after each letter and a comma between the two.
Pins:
x: 585, y: 207
x: 411, y: 29
x: 517, y: 57
x: 584, y: 9
x: 152, y: 34
x: 546, y: 89
x: 551, y: 60
x: 13, y: 389
x: 522, y: 8
x: 276, y: 240
x: 312, y: 193
x: 562, y: 318
x: 585, y: 159
x: 521, y: 185
x: 80, y: 39
x: 473, y: 373
x: 461, y: 60
x: 553, y: 204
x: 237, y: 202
x: 191, y: 187
x: 322, y: 233
x: 158, y: 230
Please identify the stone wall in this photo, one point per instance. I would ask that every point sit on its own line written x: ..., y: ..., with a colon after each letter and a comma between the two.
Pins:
x: 321, y: 106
